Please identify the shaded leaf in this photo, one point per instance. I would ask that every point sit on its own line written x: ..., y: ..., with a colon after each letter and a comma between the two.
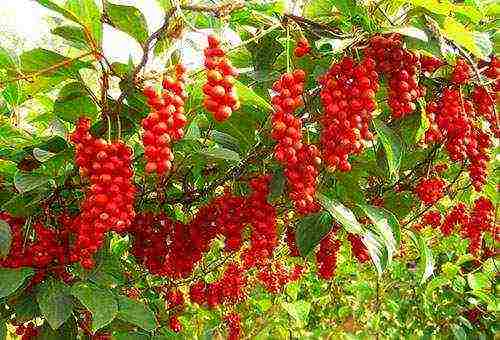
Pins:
x: 101, y: 303
x: 386, y: 226
x: 54, y: 302
x: 73, y: 34
x: 299, y: 310
x: 248, y: 97
x: 341, y: 214
x: 221, y: 153
x: 127, y: 19
x: 426, y: 261
x: 225, y: 140
x: 73, y: 102
x: 392, y: 145
x: 136, y: 313
x: 310, y: 230
x: 26, y: 182
x: 41, y: 59
x: 12, y: 279
x: 5, y: 239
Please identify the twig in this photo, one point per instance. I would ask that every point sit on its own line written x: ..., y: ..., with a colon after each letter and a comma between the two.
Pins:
x: 145, y: 55
x: 51, y: 68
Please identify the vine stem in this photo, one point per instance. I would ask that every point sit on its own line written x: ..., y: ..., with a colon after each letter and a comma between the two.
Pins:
x: 287, y: 49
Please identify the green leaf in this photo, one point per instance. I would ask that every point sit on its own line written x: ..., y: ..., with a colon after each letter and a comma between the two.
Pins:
x: 477, y: 43
x: 386, y: 226
x: 3, y: 330
x: 136, y: 313
x: 127, y: 19
x: 310, y: 230
x: 55, y: 302
x: 410, y: 31
x: 333, y: 45
x: 277, y: 185
x: 73, y: 102
x: 424, y: 122
x: 12, y: 279
x: 435, y: 6
x: 26, y: 182
x: 426, y: 261
x: 221, y: 153
x: 55, y: 7
x: 341, y: 214
x: 42, y: 155
x: 249, y: 98
x: 299, y: 310
x: 5, y: 239
x: 478, y: 281
x: 225, y: 140
x: 73, y: 34
x: 89, y: 16
x: 40, y: 59
x: 69, y: 330
x: 392, y: 145
x: 100, y: 302
x: 376, y: 249
x: 458, y: 332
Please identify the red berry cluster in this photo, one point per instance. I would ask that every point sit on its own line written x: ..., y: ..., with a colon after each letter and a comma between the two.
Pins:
x: 400, y: 67
x: 302, y: 48
x: 28, y: 331
x: 174, y: 324
x: 432, y: 218
x: 358, y: 248
x: 493, y: 72
x: 109, y: 202
x: 275, y: 276
x: 172, y: 249
x: 430, y: 64
x: 165, y: 123
x: 326, y: 256
x: 461, y: 72
x: 229, y: 289
x: 472, y: 225
x: 220, y: 95
x: 481, y: 220
x: 48, y: 252
x: 348, y: 98
x: 484, y: 105
x: 301, y: 161
x: 457, y: 216
x: 430, y: 190
x: 263, y: 219
x: 451, y: 124
x: 233, y: 322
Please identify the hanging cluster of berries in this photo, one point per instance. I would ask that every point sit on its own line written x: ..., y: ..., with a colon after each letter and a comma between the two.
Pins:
x: 109, y: 201
x: 358, y: 248
x: 400, y: 68
x: 430, y: 64
x: 171, y: 249
x: 302, y: 48
x: 175, y: 305
x: 48, y: 251
x: 348, y: 98
x: 472, y: 225
x: 229, y: 289
x: 432, y: 218
x: 275, y: 276
x: 220, y: 94
x: 484, y: 105
x: 263, y: 219
x: 493, y: 72
x: 165, y: 123
x: 27, y: 331
x: 430, y: 190
x: 451, y: 123
x: 301, y: 161
x: 326, y: 256
x: 461, y: 72
x: 233, y: 322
